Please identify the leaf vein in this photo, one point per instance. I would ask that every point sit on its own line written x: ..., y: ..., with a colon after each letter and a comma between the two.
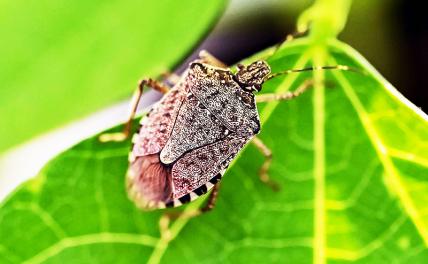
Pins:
x: 382, y: 153
x: 98, y: 238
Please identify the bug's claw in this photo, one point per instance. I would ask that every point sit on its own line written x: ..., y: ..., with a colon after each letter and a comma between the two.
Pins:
x: 116, y: 137
x: 164, y: 227
x: 274, y: 185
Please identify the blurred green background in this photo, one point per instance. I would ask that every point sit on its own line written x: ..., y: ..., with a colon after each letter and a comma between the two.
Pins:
x: 345, y: 196
x: 392, y: 35
x: 61, y: 60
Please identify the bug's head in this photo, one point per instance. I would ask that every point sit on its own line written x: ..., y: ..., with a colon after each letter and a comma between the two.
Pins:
x: 251, y: 77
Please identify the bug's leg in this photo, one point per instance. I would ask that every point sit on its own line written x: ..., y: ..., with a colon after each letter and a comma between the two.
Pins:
x: 120, y: 136
x: 170, y: 77
x: 268, y: 97
x: 211, y: 200
x: 296, y: 34
x: 210, y: 59
x: 164, y: 222
x: 166, y: 218
x: 289, y: 37
x: 264, y: 170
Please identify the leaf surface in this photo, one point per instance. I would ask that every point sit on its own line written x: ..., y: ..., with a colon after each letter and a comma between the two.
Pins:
x: 351, y: 156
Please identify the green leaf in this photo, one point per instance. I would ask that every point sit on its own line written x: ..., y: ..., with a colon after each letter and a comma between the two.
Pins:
x: 74, y: 57
x: 351, y: 158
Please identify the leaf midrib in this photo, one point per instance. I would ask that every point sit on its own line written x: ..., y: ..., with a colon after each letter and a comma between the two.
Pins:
x: 319, y: 159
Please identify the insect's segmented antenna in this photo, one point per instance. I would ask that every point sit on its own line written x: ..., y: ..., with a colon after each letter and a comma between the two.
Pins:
x: 298, y: 34
x: 316, y: 68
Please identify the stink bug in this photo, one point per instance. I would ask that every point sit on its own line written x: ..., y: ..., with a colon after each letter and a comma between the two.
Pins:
x: 188, y: 139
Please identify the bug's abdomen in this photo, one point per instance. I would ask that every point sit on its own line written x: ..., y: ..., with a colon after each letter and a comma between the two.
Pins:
x: 198, y: 166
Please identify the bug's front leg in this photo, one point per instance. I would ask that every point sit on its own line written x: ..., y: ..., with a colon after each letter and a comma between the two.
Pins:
x: 268, y: 97
x: 264, y: 169
x: 120, y: 136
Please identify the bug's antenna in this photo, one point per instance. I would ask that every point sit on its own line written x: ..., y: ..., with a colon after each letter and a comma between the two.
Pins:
x: 316, y: 68
x: 298, y: 34
x: 288, y: 38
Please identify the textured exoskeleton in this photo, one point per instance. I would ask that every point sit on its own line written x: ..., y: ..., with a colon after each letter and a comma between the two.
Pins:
x: 191, y: 135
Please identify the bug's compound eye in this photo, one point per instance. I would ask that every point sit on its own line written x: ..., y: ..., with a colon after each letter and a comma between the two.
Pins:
x: 251, y: 77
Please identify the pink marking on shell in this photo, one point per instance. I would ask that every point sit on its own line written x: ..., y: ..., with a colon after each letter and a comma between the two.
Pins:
x: 149, y: 182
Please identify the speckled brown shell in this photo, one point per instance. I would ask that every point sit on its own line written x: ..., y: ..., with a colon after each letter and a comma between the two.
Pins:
x: 189, y: 138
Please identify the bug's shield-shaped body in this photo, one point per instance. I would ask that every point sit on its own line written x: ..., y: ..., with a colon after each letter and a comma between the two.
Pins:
x: 190, y: 137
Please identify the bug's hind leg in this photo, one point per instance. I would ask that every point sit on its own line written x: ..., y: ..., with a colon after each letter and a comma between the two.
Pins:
x: 167, y: 217
x: 120, y: 136
x: 210, y: 59
x: 264, y: 169
x: 164, y: 230
x: 212, y: 200
x: 289, y: 38
x: 170, y: 77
